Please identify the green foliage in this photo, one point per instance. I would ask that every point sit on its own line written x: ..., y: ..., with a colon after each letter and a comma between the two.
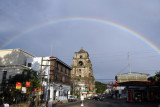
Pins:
x: 34, y: 84
x: 155, y: 78
x: 100, y: 87
x: 28, y: 75
x: 158, y: 74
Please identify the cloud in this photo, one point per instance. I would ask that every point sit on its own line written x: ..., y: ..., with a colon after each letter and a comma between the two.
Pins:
x: 108, y: 47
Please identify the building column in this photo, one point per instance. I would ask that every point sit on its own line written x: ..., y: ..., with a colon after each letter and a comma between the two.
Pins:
x: 51, y: 91
x: 127, y: 94
x: 148, y: 97
x: 69, y: 93
x: 57, y: 95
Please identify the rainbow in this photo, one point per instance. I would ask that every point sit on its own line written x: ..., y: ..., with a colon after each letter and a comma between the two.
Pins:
x: 53, y: 21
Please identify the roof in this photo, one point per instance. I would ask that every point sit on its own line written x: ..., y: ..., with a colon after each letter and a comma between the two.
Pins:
x: 82, y: 51
x: 52, y: 57
x: 18, y: 50
x: 14, y: 66
x: 139, y: 83
x: 132, y: 74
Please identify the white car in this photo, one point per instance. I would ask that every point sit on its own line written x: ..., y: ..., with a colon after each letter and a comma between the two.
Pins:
x: 72, y: 98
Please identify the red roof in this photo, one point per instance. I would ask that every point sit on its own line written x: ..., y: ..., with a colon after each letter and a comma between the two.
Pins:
x: 115, y: 84
x: 52, y: 57
x: 138, y: 83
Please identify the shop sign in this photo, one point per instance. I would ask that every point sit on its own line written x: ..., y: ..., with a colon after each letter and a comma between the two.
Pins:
x: 18, y: 85
x: 35, y: 89
x: 84, y: 92
x: 24, y: 90
x: 28, y: 84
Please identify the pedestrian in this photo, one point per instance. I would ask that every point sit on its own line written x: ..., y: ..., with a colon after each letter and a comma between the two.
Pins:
x: 82, y: 99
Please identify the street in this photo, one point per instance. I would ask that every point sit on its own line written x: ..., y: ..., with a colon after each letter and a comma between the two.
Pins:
x: 106, y: 103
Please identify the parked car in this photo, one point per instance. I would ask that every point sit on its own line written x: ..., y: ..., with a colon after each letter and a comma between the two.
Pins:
x: 90, y: 98
x: 98, y: 98
x: 72, y: 98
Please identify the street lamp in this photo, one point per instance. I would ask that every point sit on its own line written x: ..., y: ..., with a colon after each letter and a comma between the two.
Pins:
x: 60, y: 87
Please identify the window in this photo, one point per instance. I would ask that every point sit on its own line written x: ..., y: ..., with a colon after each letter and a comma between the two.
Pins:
x: 79, y: 70
x: 61, y: 69
x: 63, y: 79
x: 57, y: 65
x: 4, y: 76
x: 29, y: 64
x: 55, y: 76
x: 81, y: 56
x: 80, y: 63
x: 80, y: 76
x: 65, y: 71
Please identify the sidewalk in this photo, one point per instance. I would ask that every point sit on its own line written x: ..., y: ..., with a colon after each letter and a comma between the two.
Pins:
x: 54, y: 103
x: 20, y: 105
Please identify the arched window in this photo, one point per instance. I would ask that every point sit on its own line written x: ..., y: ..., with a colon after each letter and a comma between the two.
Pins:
x: 80, y: 63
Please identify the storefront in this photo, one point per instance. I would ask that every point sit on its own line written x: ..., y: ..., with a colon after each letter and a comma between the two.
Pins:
x: 60, y: 92
x: 141, y: 91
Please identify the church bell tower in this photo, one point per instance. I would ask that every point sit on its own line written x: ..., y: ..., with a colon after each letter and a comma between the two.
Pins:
x: 82, y: 74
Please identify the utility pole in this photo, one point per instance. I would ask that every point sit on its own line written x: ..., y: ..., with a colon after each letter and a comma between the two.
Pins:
x: 41, y: 69
x: 129, y: 66
x: 40, y: 79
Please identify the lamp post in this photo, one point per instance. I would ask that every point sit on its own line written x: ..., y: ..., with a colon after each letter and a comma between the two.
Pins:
x: 60, y: 87
x: 82, y: 97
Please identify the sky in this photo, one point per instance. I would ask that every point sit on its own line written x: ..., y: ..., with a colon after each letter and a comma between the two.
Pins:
x: 62, y: 27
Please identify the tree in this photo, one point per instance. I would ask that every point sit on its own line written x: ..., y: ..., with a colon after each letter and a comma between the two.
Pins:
x: 155, y: 78
x: 9, y: 86
x: 101, y: 87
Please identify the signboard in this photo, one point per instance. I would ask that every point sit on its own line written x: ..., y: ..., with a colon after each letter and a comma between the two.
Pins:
x: 84, y: 92
x: 28, y: 84
x: 39, y: 91
x: 18, y: 85
x: 24, y: 90
x: 35, y: 89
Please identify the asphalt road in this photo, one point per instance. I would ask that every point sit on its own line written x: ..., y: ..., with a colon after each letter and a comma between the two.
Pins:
x: 107, y: 103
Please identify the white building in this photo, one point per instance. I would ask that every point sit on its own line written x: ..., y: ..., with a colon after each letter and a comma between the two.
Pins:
x: 12, y: 62
x: 55, y: 76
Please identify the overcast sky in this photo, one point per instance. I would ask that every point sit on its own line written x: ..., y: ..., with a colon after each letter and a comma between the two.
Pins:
x: 107, y: 46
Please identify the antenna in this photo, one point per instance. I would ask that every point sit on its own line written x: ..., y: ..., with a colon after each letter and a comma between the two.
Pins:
x: 52, y: 50
x: 129, y: 66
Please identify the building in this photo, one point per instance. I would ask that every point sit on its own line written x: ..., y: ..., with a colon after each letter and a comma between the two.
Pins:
x: 55, y: 76
x: 82, y: 74
x: 12, y: 62
x: 131, y: 76
x: 138, y: 88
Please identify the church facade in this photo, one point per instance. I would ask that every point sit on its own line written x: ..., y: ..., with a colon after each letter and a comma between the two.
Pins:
x: 82, y: 78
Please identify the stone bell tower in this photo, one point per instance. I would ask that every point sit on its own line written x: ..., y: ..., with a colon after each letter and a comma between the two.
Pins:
x: 82, y: 74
